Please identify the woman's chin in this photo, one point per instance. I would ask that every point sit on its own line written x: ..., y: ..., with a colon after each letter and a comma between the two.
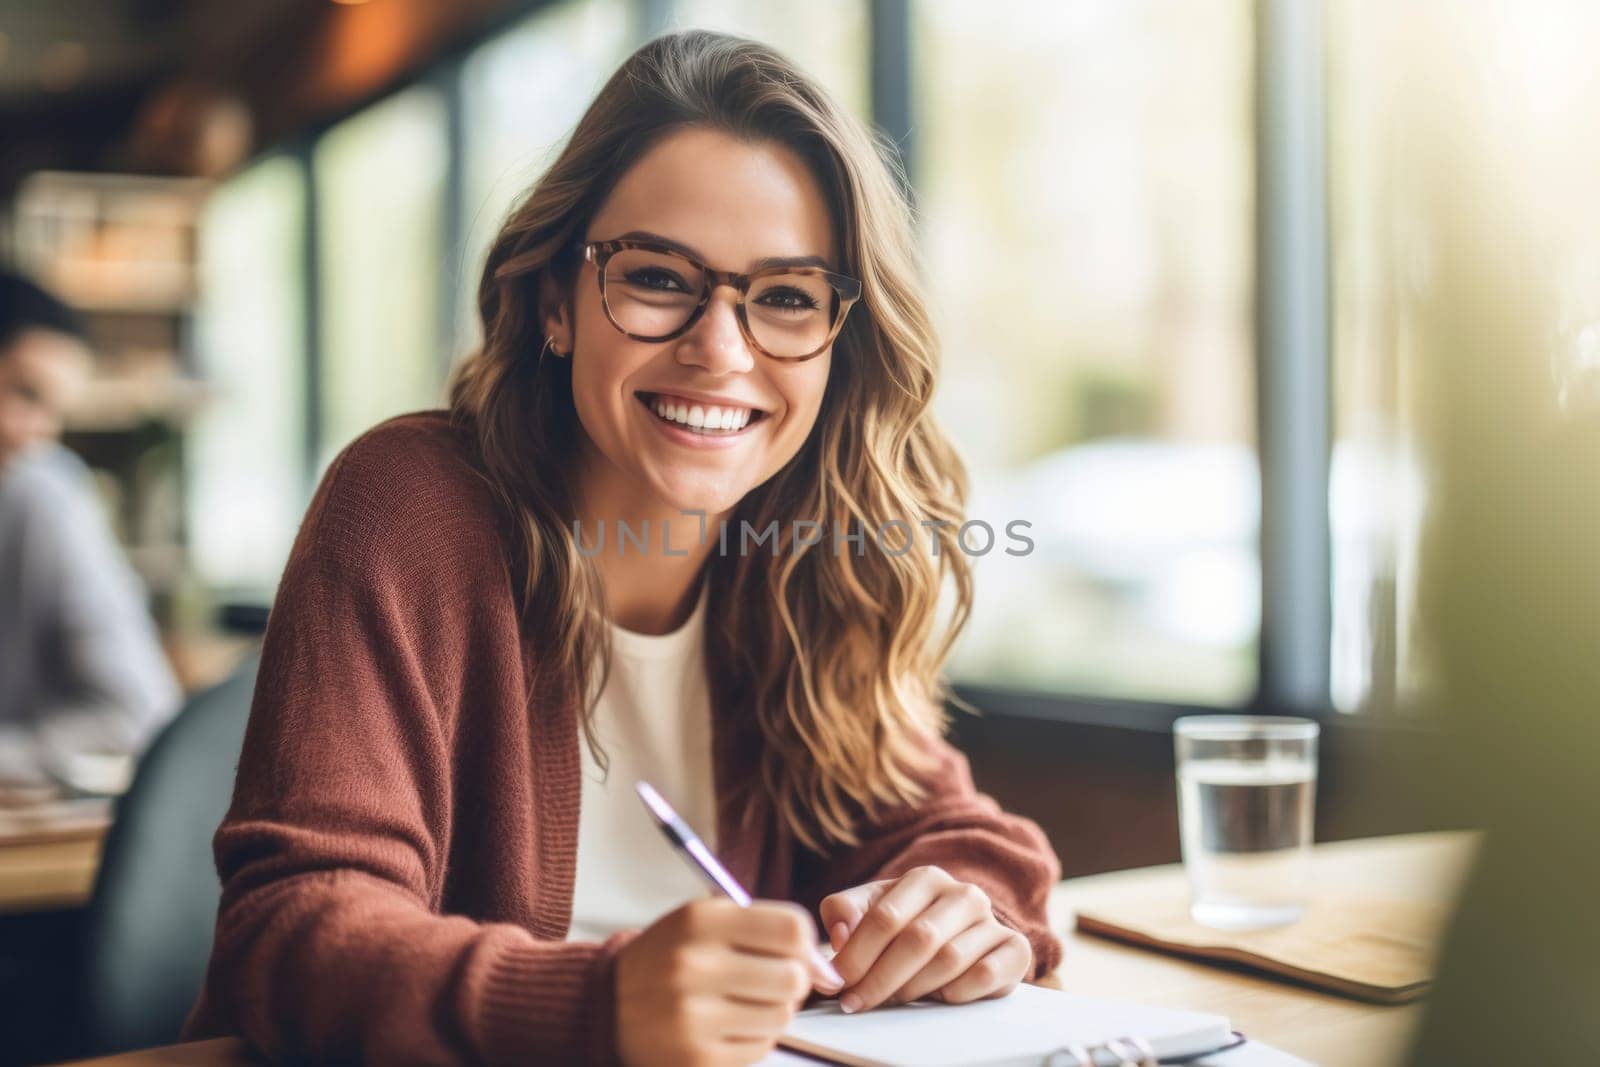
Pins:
x: 693, y: 495
x: 693, y: 504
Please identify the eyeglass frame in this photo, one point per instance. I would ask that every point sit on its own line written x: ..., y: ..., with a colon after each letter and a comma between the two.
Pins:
x: 848, y: 290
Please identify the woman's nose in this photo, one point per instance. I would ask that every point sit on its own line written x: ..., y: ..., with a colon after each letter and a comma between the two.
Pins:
x: 715, y: 342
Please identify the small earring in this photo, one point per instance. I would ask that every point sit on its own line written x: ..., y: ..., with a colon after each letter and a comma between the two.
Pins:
x: 549, y: 346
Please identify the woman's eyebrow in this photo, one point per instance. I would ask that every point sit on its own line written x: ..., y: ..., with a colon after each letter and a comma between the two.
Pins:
x: 761, y: 264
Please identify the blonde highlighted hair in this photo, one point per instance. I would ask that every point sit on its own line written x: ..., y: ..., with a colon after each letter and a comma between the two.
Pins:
x: 831, y: 661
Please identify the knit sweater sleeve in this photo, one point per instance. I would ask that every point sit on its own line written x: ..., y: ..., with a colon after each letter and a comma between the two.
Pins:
x: 968, y: 835
x: 329, y: 941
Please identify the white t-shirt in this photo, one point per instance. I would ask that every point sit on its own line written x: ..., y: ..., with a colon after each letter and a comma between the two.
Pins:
x: 654, y: 722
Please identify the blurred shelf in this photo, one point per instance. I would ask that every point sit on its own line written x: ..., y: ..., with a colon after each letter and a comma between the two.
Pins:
x: 77, y: 285
x: 112, y: 242
x: 122, y: 249
x: 109, y: 404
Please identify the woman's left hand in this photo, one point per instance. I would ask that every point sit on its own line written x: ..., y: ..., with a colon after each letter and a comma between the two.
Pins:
x: 922, y: 934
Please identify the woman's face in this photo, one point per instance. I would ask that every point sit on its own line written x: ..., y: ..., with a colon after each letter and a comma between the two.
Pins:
x: 731, y: 204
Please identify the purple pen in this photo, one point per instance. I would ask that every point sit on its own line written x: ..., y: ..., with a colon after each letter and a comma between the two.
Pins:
x: 687, y: 844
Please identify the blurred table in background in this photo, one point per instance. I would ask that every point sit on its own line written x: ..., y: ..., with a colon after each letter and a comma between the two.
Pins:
x: 49, y: 850
x: 49, y: 858
x: 50, y: 838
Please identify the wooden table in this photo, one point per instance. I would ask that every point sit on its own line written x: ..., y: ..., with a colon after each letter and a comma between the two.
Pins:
x: 48, y: 870
x: 1317, y: 1026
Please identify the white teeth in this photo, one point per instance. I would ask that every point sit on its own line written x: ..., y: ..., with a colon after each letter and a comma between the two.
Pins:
x: 707, y: 418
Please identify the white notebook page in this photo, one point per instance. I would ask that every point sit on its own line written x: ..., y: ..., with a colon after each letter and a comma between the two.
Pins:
x: 1019, y: 1029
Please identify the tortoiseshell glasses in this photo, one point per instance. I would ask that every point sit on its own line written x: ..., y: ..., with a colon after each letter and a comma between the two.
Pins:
x: 654, y: 293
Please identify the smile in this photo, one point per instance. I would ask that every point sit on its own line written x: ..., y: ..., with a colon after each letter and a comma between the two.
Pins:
x: 702, y: 420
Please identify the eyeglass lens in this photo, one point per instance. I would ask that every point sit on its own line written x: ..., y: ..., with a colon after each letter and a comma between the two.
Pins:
x: 652, y: 294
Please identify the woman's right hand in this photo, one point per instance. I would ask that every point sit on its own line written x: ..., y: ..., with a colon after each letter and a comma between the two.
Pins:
x: 715, y: 984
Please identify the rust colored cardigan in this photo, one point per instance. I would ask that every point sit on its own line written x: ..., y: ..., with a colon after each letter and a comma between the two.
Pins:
x: 398, y: 858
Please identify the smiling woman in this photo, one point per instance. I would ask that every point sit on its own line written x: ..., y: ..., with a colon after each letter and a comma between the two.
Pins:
x: 707, y: 306
x: 661, y: 327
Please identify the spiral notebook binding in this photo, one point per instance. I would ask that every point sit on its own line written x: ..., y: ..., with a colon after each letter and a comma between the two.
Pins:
x: 1129, y: 1052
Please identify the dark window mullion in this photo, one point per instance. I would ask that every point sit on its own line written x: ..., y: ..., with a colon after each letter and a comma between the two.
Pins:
x: 890, y: 58
x: 447, y: 81
x: 311, y: 293
x: 1292, y: 343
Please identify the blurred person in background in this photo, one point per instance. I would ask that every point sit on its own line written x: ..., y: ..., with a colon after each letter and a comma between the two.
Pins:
x: 81, y: 668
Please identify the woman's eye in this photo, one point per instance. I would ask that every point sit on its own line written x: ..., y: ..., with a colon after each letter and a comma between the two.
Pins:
x: 655, y: 278
x: 790, y: 299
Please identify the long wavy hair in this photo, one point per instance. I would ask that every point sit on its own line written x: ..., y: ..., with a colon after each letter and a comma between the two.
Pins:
x: 832, y: 659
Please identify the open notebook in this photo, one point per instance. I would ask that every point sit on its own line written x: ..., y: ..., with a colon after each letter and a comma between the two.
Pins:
x: 1023, y: 1029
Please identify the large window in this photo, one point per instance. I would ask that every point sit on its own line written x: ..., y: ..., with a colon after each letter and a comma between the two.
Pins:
x: 521, y: 95
x: 1084, y: 180
x: 828, y: 38
x: 379, y: 180
x: 246, y: 476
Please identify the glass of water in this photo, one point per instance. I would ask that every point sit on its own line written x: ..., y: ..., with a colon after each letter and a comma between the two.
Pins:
x: 1246, y: 794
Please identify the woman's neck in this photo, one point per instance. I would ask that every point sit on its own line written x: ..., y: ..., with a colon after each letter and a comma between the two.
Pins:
x: 653, y: 589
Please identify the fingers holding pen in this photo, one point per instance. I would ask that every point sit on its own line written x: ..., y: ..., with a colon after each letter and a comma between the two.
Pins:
x: 783, y: 928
